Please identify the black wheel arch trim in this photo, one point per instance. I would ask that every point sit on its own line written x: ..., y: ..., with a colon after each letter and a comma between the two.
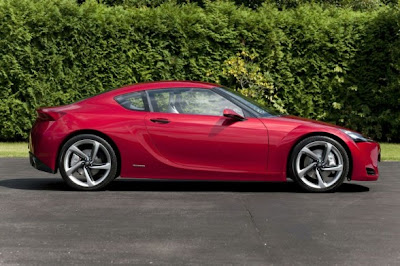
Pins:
x: 38, y: 164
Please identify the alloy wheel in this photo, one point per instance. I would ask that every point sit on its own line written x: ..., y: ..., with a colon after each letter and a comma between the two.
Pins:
x: 319, y: 164
x: 87, y: 163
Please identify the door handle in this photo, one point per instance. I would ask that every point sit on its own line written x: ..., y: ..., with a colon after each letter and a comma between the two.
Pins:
x: 160, y: 120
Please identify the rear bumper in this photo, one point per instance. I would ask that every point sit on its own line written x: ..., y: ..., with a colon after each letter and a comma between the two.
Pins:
x: 44, y: 140
x: 38, y: 164
x: 365, y: 161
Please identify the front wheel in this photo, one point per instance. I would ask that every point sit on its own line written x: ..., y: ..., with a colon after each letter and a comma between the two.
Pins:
x: 319, y: 164
x: 88, y: 162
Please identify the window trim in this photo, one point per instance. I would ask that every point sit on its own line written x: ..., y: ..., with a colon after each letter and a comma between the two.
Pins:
x: 244, y: 108
x: 248, y: 112
x: 144, y: 99
x: 222, y: 90
x: 149, y: 101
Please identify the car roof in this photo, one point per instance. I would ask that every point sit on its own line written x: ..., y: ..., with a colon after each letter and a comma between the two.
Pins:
x: 146, y: 86
x: 160, y: 85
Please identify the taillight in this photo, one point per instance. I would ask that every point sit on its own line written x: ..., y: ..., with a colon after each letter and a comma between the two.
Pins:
x: 49, y: 115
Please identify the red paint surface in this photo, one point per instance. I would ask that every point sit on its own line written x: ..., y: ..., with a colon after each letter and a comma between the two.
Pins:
x: 191, y: 146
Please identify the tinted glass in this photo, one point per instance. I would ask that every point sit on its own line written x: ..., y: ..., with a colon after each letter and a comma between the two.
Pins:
x: 190, y: 101
x: 133, y: 101
x: 248, y: 102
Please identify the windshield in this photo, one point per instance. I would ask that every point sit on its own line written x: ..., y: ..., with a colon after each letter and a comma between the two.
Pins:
x: 248, y: 102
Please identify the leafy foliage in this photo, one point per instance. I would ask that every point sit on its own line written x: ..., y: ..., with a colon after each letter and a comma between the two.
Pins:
x: 254, y: 4
x: 328, y: 63
x: 252, y: 81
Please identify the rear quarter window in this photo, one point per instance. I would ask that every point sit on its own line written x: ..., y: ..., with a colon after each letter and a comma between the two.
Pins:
x: 135, y: 101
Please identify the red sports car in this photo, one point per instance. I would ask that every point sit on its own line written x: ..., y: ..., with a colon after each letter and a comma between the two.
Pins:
x: 195, y: 131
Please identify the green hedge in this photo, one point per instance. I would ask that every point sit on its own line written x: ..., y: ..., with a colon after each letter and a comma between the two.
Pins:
x: 354, y: 4
x: 332, y: 64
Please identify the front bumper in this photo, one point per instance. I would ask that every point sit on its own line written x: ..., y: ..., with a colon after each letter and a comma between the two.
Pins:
x: 38, y: 164
x: 365, y: 161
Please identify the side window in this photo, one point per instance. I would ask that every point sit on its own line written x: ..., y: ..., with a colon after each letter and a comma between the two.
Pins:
x: 160, y: 101
x: 133, y: 101
x: 190, y: 101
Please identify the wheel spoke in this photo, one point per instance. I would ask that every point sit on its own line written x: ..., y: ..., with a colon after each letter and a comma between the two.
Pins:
x: 328, y: 148
x: 333, y: 168
x: 319, y: 164
x: 73, y: 168
x: 95, y: 149
x: 310, y: 154
x: 89, y: 178
x: 102, y: 166
x: 78, y: 152
x: 307, y: 169
x: 321, y: 182
x: 91, y: 159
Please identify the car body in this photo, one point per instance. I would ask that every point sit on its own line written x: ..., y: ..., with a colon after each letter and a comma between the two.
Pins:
x: 151, y: 138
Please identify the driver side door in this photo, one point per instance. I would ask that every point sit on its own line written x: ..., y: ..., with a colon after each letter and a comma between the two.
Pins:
x: 188, y: 130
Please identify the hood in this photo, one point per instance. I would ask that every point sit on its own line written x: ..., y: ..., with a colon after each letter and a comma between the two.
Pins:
x: 309, y: 122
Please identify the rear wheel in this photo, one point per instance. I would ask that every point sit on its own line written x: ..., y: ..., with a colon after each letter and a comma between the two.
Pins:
x: 88, y: 162
x: 319, y: 164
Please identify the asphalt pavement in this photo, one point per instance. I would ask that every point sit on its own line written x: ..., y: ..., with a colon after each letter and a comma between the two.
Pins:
x: 43, y: 222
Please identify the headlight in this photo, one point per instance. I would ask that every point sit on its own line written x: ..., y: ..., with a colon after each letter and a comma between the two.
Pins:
x: 357, y: 137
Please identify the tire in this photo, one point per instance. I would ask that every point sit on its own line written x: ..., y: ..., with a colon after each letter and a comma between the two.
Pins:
x: 319, y: 164
x: 79, y: 170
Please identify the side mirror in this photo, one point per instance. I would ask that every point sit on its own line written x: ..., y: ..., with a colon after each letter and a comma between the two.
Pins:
x: 229, y: 113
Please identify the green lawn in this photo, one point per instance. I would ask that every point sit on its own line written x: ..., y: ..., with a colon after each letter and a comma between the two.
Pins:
x: 13, y: 149
x: 390, y: 151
